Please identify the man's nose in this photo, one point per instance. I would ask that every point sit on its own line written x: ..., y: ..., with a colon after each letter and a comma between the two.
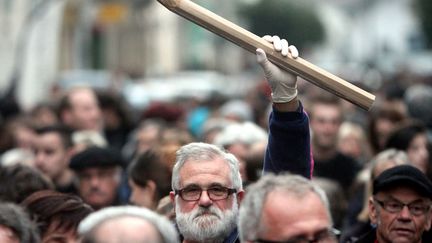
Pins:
x: 205, y: 200
x: 405, y: 213
x: 94, y: 180
x: 39, y: 158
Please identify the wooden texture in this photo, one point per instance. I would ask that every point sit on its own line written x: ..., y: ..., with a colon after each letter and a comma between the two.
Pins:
x: 251, y: 42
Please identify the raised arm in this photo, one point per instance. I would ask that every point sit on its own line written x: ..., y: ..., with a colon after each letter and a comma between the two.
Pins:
x: 288, y: 147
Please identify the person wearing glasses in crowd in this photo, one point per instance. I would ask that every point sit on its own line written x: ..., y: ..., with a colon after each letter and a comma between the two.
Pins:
x: 400, y: 206
x: 286, y: 208
x: 206, y: 183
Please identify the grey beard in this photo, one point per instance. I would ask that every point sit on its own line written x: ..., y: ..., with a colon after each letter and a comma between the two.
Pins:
x: 213, y: 227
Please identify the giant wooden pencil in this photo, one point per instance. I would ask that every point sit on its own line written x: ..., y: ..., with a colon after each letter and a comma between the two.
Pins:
x: 251, y: 42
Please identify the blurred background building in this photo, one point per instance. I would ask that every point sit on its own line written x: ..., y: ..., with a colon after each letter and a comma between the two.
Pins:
x: 137, y: 46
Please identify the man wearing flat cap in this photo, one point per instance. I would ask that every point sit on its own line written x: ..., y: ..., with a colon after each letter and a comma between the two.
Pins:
x: 400, y: 207
x: 99, y: 171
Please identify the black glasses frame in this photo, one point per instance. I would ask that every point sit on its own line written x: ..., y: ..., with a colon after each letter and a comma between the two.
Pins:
x: 401, y: 205
x: 210, y: 192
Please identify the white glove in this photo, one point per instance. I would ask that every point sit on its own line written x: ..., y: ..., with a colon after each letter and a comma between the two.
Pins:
x: 283, y: 84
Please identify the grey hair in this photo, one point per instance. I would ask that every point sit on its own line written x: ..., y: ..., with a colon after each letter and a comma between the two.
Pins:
x: 385, y: 157
x: 15, y: 218
x: 391, y: 155
x: 165, y: 228
x: 204, y: 151
x: 256, y: 195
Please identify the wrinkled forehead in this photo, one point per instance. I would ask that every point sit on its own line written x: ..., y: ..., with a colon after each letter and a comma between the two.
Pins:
x: 205, y: 172
x: 286, y: 215
x: 403, y: 192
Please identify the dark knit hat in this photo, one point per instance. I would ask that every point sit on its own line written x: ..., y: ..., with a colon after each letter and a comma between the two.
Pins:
x: 403, y: 175
x: 96, y: 157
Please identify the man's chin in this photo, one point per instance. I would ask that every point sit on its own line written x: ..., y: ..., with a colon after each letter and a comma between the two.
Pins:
x: 97, y: 202
x: 403, y: 240
x: 403, y: 237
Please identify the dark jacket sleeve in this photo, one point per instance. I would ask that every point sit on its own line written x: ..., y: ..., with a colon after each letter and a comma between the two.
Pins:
x: 288, y: 146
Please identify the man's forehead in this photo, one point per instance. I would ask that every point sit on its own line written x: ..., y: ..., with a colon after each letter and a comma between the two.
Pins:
x: 131, y: 227
x: 284, y: 194
x: 205, y: 172
x: 278, y: 199
x: 98, y: 169
x: 307, y: 214
x: 51, y: 139
x: 209, y: 165
x: 403, y: 192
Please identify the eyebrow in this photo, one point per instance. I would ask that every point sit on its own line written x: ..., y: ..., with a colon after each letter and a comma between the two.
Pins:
x: 307, y: 235
x: 191, y: 185
x: 418, y: 200
x: 214, y: 184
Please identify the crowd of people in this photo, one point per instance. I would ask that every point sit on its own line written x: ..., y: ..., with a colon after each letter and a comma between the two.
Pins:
x: 285, y: 163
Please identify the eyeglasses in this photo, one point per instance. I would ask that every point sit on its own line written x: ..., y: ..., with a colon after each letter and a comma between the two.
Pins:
x: 394, y: 206
x: 325, y: 236
x: 215, y: 193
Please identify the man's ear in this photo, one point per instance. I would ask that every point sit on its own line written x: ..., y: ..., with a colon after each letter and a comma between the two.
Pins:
x: 151, y: 187
x: 428, y: 220
x: 172, y: 197
x: 240, y: 196
x: 373, y: 212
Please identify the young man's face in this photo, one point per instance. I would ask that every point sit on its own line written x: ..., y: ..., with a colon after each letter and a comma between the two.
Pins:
x: 325, y: 122
x: 51, y: 156
x: 142, y: 196
x: 85, y: 113
x: 418, y: 152
x: 404, y: 225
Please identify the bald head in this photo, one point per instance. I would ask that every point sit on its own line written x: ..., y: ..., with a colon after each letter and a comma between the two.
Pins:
x: 126, y: 229
x: 126, y: 224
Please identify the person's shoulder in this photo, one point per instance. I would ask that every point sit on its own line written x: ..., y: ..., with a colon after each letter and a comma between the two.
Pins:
x: 346, y: 160
x: 233, y: 237
x: 341, y: 156
x: 427, y: 236
x: 356, y: 231
x: 369, y: 237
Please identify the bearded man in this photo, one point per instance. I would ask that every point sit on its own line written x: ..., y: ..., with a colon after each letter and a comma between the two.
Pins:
x: 207, y: 192
x: 206, y: 183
